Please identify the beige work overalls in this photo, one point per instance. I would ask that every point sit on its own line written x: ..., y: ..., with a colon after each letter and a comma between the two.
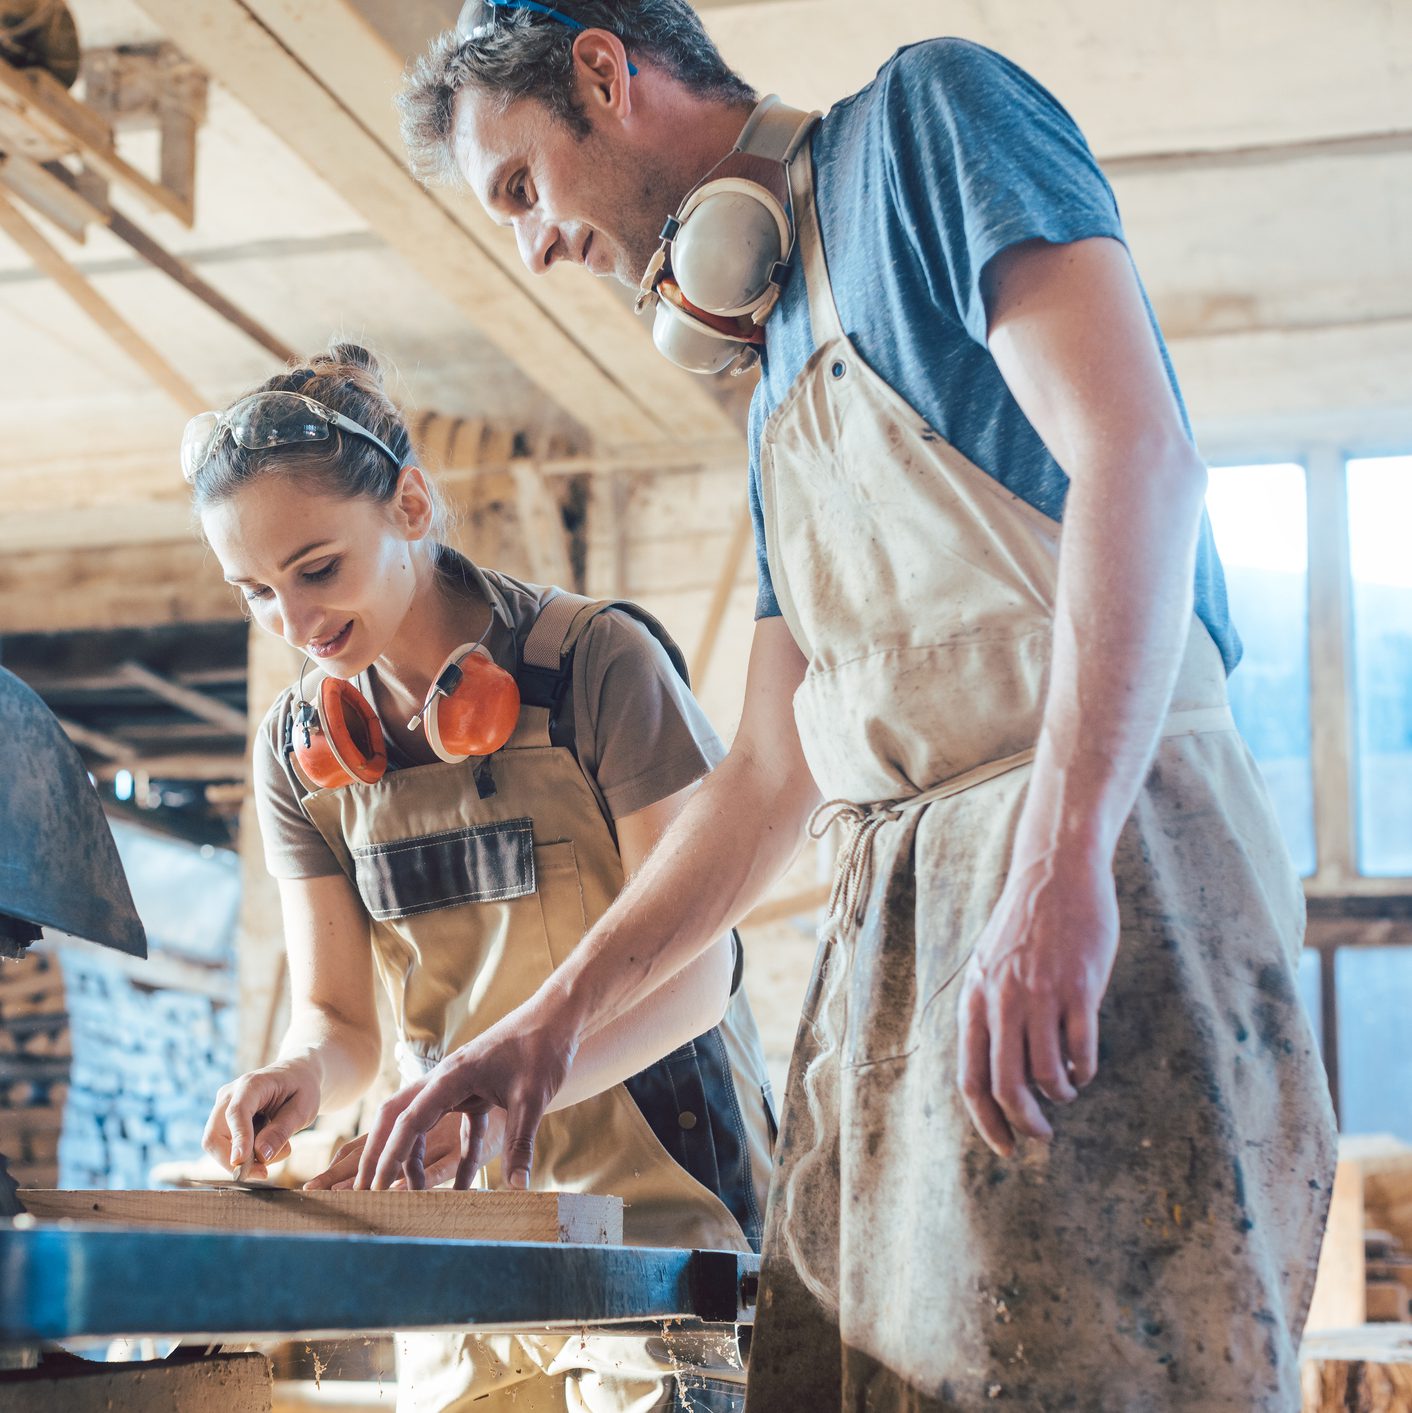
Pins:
x: 1160, y: 1254
x: 479, y: 879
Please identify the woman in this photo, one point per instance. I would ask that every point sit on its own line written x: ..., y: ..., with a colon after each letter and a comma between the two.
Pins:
x: 464, y: 879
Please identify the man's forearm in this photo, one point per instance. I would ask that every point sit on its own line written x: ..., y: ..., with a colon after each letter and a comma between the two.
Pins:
x: 737, y: 834
x: 1121, y: 625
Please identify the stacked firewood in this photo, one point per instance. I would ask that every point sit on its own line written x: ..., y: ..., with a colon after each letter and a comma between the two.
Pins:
x: 1388, y: 1277
x: 34, y: 1067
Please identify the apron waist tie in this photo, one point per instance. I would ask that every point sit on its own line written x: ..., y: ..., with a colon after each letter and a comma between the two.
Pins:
x: 854, y: 876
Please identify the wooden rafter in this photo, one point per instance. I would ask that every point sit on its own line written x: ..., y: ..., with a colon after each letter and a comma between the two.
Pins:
x: 183, y: 765
x: 100, y: 744
x: 50, y: 261
x: 36, y: 102
x: 195, y: 703
x: 328, y: 101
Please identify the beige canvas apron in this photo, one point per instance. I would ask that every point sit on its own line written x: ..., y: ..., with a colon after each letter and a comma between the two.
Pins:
x: 479, y: 879
x: 1160, y: 1254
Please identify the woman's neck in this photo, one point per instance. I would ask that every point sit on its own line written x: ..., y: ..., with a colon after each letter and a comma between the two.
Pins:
x: 436, y: 624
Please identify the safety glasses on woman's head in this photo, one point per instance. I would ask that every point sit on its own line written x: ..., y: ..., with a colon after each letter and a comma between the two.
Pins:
x: 264, y: 420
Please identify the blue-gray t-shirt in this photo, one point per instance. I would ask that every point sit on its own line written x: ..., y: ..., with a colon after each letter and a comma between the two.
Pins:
x: 951, y: 155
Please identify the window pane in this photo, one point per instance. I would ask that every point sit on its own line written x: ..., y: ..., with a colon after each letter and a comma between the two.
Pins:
x: 1259, y: 517
x: 1375, y: 1059
x: 1379, y: 525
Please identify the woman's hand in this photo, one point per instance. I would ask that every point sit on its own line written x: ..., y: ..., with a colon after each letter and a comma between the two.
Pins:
x: 255, y: 1116
x: 442, y: 1155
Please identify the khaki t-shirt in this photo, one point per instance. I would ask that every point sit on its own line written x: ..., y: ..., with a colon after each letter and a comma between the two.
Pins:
x: 638, y: 731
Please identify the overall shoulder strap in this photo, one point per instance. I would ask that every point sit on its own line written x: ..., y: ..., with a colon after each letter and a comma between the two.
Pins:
x: 546, y: 660
x: 547, y: 666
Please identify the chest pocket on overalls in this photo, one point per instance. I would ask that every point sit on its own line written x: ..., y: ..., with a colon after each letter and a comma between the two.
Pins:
x: 481, y: 863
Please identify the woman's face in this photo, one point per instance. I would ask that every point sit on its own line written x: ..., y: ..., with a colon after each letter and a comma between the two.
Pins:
x: 331, y: 576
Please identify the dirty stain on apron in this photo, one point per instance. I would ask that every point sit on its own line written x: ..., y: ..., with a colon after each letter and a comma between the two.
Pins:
x: 478, y: 881
x: 1161, y: 1254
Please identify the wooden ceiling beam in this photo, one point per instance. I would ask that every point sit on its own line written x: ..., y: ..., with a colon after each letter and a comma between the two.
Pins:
x: 184, y: 765
x: 44, y: 106
x: 95, y: 742
x: 188, y: 699
x: 281, y: 78
x: 364, y: 72
x: 51, y: 261
x: 129, y: 586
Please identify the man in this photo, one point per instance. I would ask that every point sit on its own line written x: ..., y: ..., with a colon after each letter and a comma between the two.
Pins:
x: 1056, y: 1131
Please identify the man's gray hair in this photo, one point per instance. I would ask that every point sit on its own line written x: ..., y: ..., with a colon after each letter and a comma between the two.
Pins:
x: 519, y: 53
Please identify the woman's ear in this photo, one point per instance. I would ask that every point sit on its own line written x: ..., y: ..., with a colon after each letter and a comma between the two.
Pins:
x: 412, y: 506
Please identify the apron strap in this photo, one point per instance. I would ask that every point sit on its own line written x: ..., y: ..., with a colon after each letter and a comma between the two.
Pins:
x: 823, y: 312
x: 854, y: 877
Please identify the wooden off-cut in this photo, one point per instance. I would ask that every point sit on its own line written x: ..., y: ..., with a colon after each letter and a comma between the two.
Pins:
x: 440, y: 1214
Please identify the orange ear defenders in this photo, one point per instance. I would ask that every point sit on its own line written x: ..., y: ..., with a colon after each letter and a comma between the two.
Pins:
x: 470, y: 710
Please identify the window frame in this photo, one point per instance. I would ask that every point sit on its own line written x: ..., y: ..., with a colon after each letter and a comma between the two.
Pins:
x: 1346, y: 908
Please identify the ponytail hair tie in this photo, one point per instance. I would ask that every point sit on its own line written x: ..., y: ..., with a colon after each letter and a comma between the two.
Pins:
x: 299, y: 377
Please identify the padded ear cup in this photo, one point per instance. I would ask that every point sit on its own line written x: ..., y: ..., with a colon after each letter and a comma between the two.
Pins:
x: 345, y: 738
x: 732, y: 233
x: 478, y: 715
x: 695, y: 340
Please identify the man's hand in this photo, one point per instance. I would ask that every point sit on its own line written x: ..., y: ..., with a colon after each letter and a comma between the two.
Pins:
x: 1029, y: 1002
x: 443, y: 1154
x: 518, y: 1065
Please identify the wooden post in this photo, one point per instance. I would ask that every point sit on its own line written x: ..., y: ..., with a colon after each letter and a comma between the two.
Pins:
x: 273, y: 666
x: 741, y: 538
x: 1330, y: 669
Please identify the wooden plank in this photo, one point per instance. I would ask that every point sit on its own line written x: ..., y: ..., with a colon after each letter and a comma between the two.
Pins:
x: 220, y: 1383
x: 48, y: 259
x: 439, y: 1214
x: 1339, y: 1299
x: 188, y: 699
x: 130, y: 586
x: 228, y: 41
x: 133, y: 522
x: 362, y: 70
x: 50, y: 196
x: 55, y: 115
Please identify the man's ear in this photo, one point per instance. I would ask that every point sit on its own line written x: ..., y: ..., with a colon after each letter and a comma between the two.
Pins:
x: 412, y: 506
x: 601, y: 74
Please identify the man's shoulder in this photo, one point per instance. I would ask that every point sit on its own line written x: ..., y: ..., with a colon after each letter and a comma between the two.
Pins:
x: 925, y: 69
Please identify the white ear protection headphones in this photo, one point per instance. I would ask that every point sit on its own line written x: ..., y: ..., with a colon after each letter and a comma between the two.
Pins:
x: 723, y: 259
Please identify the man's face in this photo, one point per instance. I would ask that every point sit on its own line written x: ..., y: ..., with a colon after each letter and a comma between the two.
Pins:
x: 596, y: 201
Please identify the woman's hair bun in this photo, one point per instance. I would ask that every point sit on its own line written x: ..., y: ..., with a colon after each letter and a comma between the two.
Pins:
x: 343, y: 356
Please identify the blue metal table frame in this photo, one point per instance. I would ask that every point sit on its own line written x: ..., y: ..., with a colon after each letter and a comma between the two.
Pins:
x: 66, y: 1282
